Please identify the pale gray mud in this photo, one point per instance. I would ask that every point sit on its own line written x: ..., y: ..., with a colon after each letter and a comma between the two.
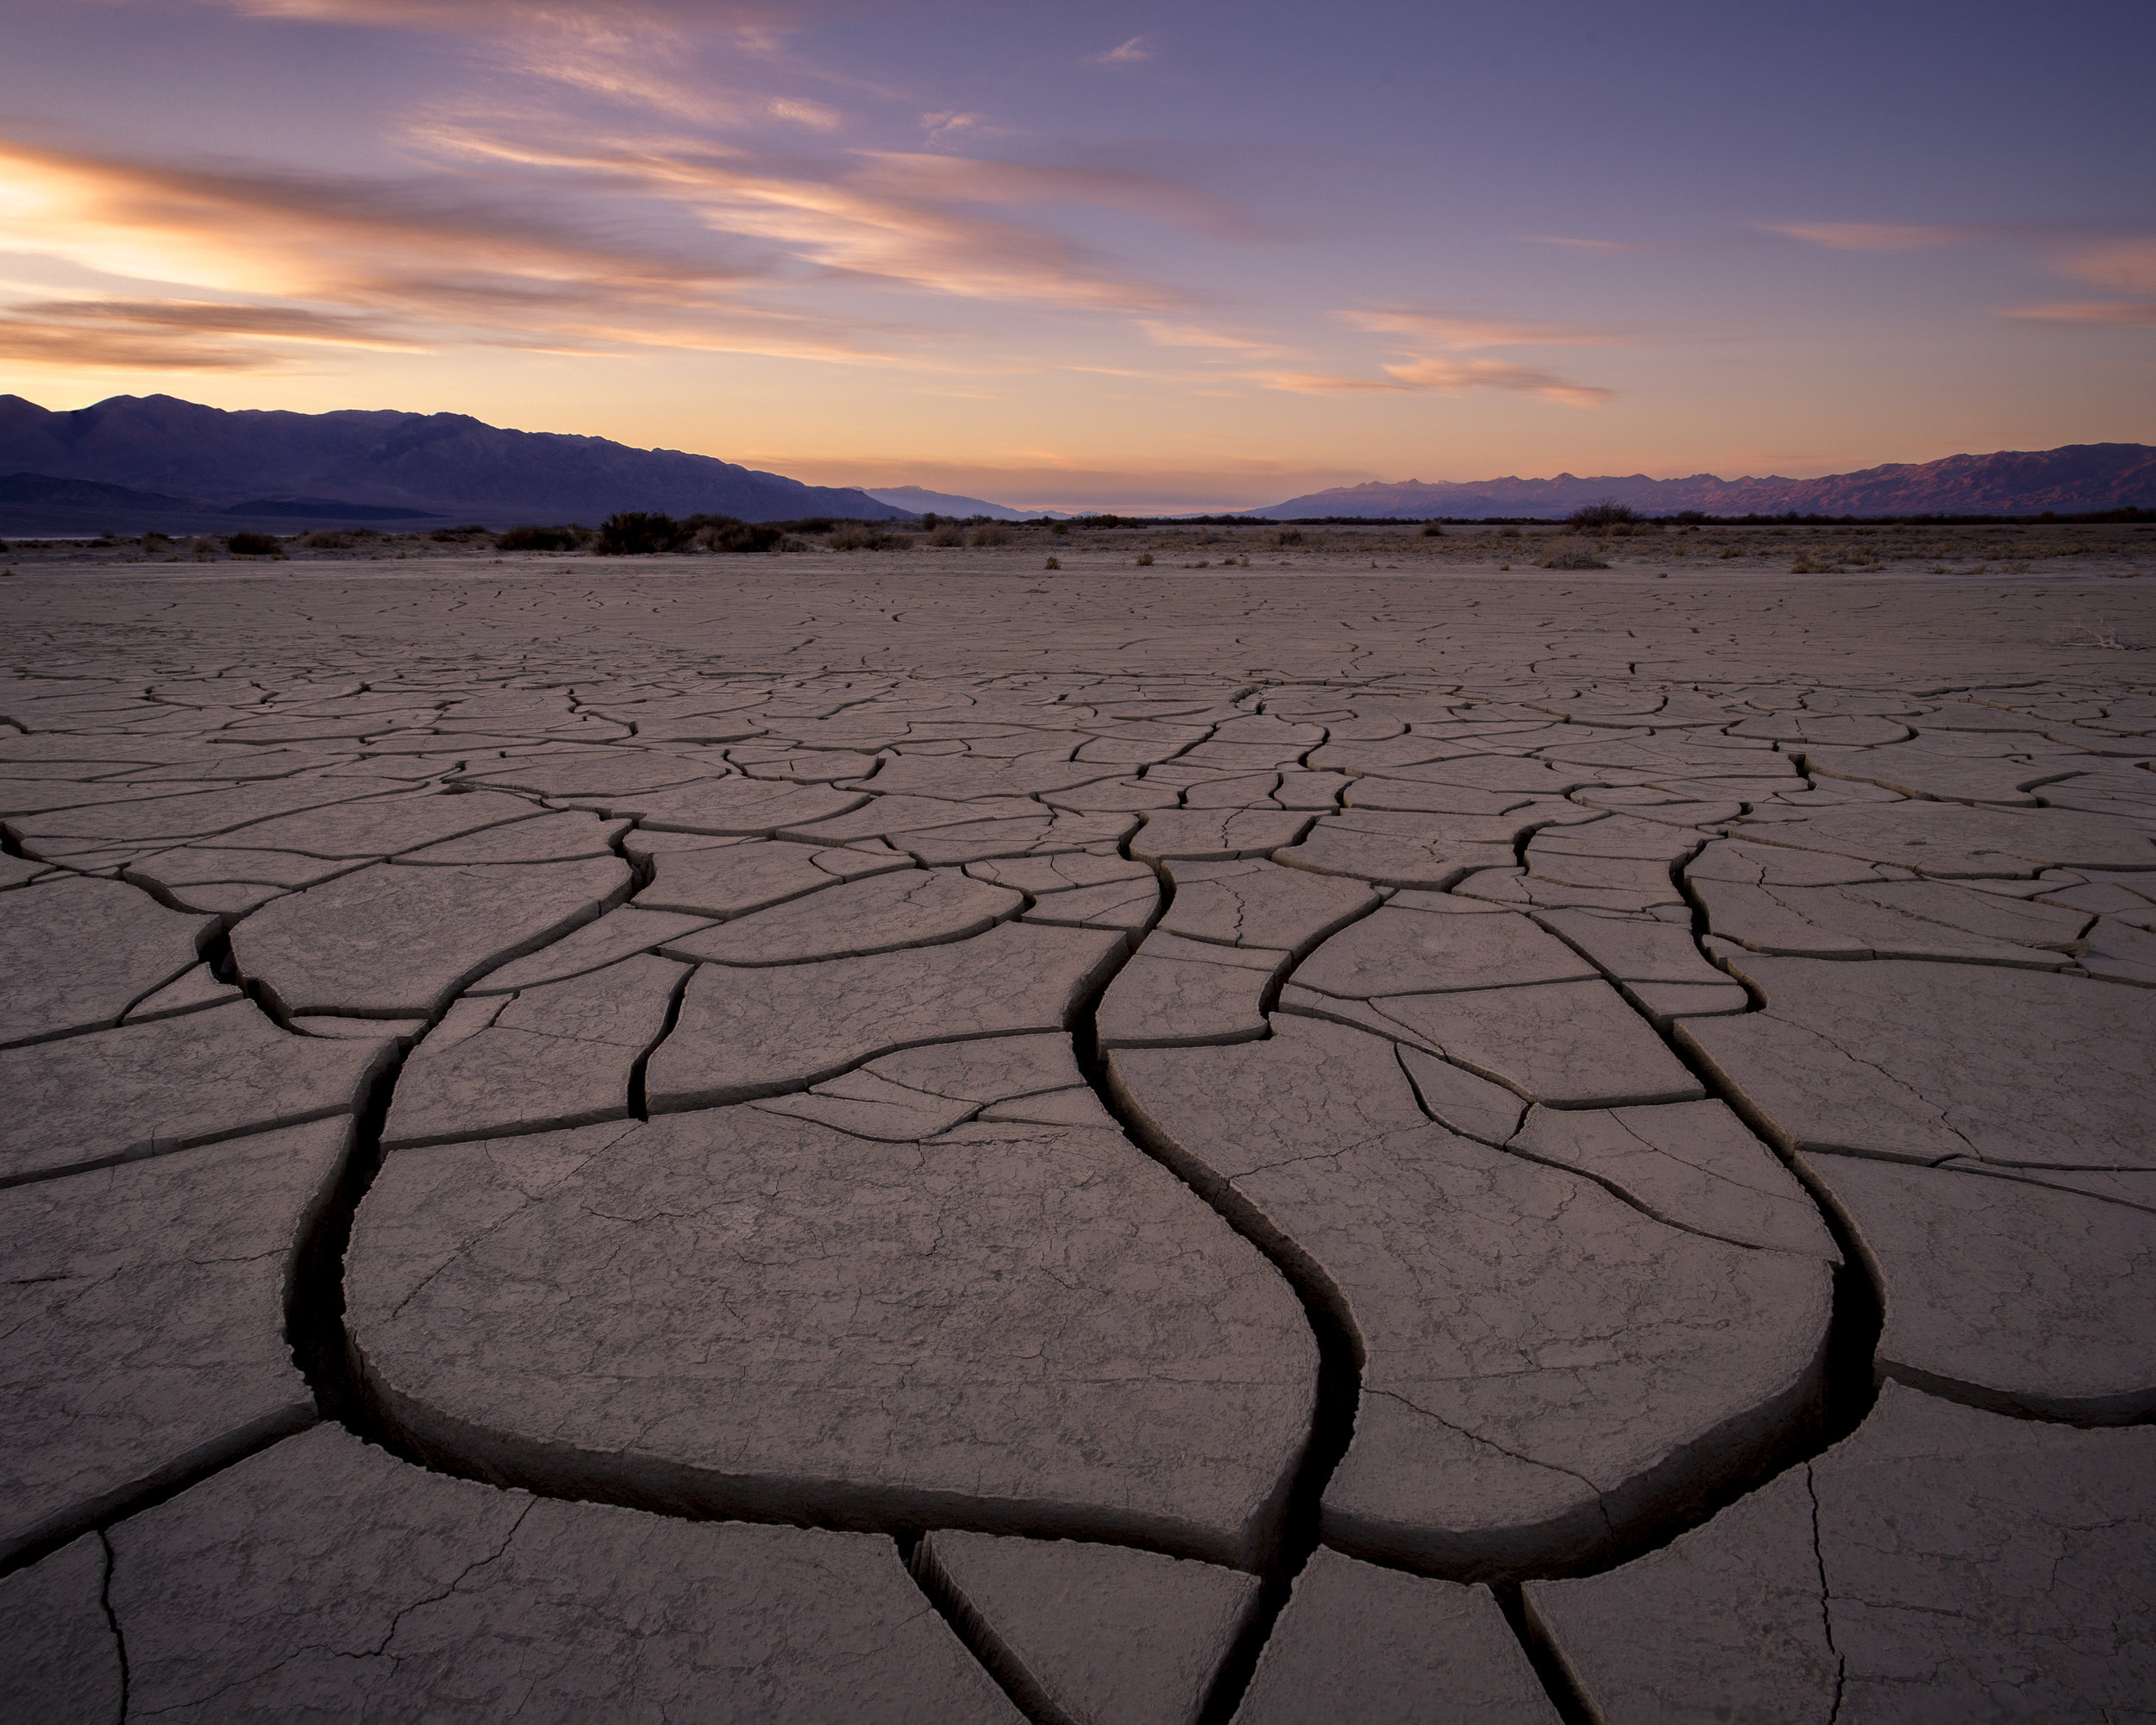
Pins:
x: 803, y: 1139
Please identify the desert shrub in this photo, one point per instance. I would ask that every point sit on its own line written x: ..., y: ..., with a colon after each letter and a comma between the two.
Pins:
x: 1059, y: 529
x: 1508, y: 533
x: 857, y: 536
x: 992, y: 535
x: 253, y: 545
x: 724, y: 533
x: 328, y: 539
x: 1431, y: 530
x: 636, y: 533
x: 1053, y: 563
x: 457, y: 536
x: 1601, y: 516
x: 1145, y: 559
x: 946, y: 535
x: 533, y: 538
x: 1728, y: 551
x: 1572, y: 556
x: 1288, y: 536
x: 152, y: 542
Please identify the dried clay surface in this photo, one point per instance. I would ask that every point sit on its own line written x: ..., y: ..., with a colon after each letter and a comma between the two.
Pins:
x: 881, y: 1139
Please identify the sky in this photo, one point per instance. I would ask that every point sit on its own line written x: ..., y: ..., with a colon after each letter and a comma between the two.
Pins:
x: 1146, y: 257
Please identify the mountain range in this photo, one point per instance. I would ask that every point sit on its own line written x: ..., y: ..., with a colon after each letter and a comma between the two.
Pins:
x: 176, y: 465
x: 2079, y: 476
x: 922, y: 501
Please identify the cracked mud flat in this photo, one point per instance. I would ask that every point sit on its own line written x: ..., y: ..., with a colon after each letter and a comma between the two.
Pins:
x: 755, y: 1140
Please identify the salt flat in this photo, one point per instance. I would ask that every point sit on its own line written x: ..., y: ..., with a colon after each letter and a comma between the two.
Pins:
x: 852, y: 1137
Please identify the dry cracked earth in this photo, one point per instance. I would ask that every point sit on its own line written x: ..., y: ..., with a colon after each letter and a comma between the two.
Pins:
x: 691, y: 1145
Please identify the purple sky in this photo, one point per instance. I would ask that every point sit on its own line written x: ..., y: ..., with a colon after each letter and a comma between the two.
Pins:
x: 1145, y: 257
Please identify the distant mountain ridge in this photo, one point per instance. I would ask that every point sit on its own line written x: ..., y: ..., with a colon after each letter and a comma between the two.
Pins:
x: 922, y: 501
x: 2078, y: 476
x: 356, y: 465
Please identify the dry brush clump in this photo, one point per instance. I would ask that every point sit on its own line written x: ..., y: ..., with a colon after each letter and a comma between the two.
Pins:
x: 1570, y: 554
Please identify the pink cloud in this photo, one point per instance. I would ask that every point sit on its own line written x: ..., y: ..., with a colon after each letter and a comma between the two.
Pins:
x: 1447, y: 330
x: 1874, y: 236
x: 1126, y: 53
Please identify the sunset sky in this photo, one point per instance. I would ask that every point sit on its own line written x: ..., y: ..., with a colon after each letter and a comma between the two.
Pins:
x: 1092, y: 255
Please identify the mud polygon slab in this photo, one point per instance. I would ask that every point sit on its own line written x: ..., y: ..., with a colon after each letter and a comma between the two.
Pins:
x: 59, y: 1661
x: 1218, y: 834
x: 324, y: 1578
x: 1252, y: 902
x: 1460, y: 1101
x: 733, y: 808
x: 145, y: 1313
x: 1436, y: 944
x: 378, y: 826
x: 888, y: 910
x: 559, y: 1055
x: 1184, y: 991
x: 1692, y: 1163
x: 1924, y: 1061
x: 144, y: 1088
x: 1384, y: 1648
x: 2006, y: 1292
x: 1395, y: 849
x: 1543, y: 1365
x: 389, y: 940
x: 605, y: 940
x: 1950, y: 840
x: 567, y: 836
x: 1943, y: 1562
x: 920, y: 1092
x: 1013, y: 1328
x: 1092, y: 1634
x: 758, y: 1031
x: 737, y: 880
x: 79, y: 952
x: 1567, y: 1044
x: 192, y: 991
x: 1127, y: 904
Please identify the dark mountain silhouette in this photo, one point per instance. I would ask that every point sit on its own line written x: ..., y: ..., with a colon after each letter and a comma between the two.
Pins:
x: 924, y: 502
x: 349, y: 466
x: 2080, y: 476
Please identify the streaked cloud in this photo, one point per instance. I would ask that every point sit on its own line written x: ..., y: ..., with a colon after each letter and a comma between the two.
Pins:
x: 1429, y: 345
x: 899, y: 218
x: 1447, y: 330
x: 1325, y: 383
x: 1126, y: 53
x: 1460, y: 377
x: 491, y: 16
x: 1875, y: 236
x: 2128, y: 264
x: 2098, y: 314
x: 1167, y: 335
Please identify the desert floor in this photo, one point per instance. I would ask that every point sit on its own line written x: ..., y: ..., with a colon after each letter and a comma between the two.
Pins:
x: 900, y: 1135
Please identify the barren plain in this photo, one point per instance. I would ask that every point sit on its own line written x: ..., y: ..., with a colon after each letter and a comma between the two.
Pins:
x: 907, y: 1136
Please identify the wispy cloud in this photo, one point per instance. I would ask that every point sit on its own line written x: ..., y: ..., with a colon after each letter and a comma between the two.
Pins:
x: 1167, y: 335
x: 1126, y: 53
x: 1459, y: 377
x: 2099, y: 314
x: 951, y: 126
x: 1875, y: 236
x: 1429, y: 346
x: 1449, y: 330
x: 1325, y: 383
x: 1581, y: 245
x: 902, y: 218
x: 752, y: 17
